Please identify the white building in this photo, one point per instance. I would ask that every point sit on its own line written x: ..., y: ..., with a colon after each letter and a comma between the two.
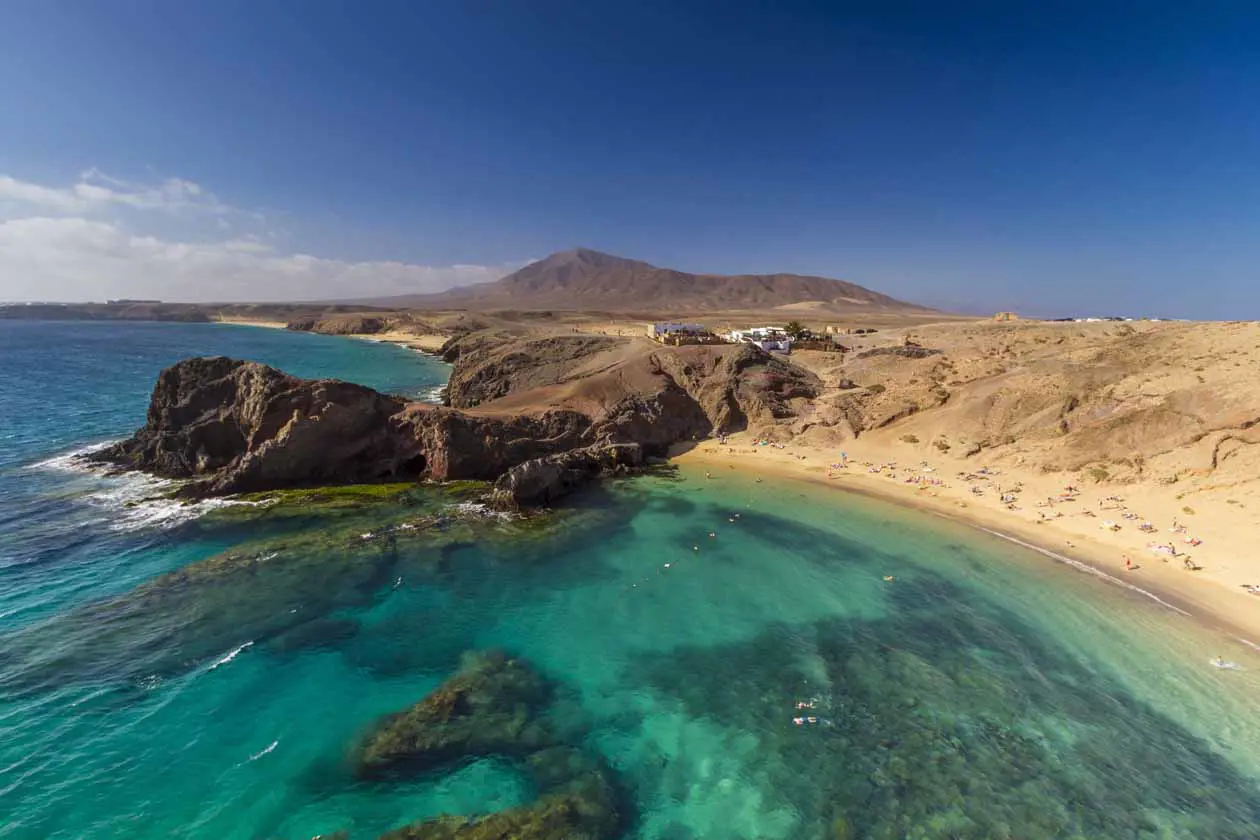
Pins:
x: 767, y: 338
x: 659, y: 331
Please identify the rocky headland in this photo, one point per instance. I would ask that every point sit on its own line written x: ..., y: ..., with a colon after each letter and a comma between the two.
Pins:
x: 539, y: 414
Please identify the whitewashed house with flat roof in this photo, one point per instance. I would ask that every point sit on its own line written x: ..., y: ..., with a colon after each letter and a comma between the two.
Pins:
x: 770, y: 339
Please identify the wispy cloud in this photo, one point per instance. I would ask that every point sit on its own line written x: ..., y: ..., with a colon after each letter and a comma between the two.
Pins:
x: 69, y: 243
x: 95, y: 190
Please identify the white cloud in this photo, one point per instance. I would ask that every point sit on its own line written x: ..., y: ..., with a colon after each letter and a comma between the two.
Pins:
x: 67, y: 244
x: 95, y: 190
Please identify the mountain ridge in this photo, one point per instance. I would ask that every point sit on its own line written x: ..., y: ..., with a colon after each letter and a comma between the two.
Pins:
x: 586, y: 279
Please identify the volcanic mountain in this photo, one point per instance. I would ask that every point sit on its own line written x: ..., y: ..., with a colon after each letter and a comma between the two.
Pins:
x: 583, y: 279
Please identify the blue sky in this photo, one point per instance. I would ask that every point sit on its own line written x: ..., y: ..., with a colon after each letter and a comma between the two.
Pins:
x: 1099, y: 157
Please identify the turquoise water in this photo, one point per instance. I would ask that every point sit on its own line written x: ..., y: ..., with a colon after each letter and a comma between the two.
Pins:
x: 152, y: 685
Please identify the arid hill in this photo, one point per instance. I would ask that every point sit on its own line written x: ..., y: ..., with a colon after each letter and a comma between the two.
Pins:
x: 1123, y: 402
x: 583, y: 279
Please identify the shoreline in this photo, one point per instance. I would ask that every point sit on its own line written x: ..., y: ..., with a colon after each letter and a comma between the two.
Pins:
x: 1208, y: 602
x: 249, y: 322
x: 427, y: 343
x: 1012, y: 503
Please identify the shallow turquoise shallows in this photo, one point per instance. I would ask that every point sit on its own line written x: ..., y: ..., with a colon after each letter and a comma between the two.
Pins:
x: 752, y: 659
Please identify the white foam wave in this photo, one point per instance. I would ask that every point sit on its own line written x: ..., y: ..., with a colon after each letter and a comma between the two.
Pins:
x: 436, y: 396
x: 1088, y: 569
x: 73, y: 460
x: 138, y: 501
x: 259, y: 755
x: 130, y: 500
x: 1225, y: 666
x: 480, y: 509
x: 230, y: 655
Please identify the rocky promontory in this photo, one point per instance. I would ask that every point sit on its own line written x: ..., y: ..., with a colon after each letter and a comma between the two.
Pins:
x: 540, y: 415
x: 235, y: 426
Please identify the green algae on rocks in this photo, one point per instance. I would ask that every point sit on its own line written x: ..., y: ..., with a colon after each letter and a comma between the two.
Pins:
x: 323, y: 501
x: 495, y: 705
x: 266, y: 589
x: 498, y: 706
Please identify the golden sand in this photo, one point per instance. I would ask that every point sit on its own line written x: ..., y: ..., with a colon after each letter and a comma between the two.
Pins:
x: 1088, y: 525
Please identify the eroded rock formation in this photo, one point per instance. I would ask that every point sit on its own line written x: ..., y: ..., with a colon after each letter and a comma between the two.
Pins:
x: 238, y: 426
x: 340, y: 325
x: 233, y: 426
x: 544, y: 480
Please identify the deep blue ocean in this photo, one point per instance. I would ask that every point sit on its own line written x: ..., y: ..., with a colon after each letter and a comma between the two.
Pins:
x: 750, y: 659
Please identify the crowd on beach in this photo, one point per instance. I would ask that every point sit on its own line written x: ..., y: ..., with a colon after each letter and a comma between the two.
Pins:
x: 985, y: 481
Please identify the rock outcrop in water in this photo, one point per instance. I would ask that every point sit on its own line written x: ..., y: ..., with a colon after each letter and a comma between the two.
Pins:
x: 458, y: 445
x: 498, y: 707
x: 491, y: 707
x: 583, y: 807
x: 240, y: 426
x: 544, y: 480
x: 234, y: 426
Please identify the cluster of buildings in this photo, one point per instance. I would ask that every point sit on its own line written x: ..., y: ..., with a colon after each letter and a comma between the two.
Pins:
x: 767, y: 338
x: 679, y: 333
x: 770, y: 339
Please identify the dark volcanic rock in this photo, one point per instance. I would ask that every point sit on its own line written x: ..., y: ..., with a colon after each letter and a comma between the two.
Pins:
x: 498, y: 707
x: 458, y: 445
x: 735, y: 386
x: 340, y: 325
x: 494, y: 706
x: 241, y: 426
x: 583, y: 808
x: 543, y: 480
x: 491, y: 370
x: 232, y: 426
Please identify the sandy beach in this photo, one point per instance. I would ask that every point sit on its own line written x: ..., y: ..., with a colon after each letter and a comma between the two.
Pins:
x: 1087, y: 526
x: 426, y: 342
x: 251, y: 322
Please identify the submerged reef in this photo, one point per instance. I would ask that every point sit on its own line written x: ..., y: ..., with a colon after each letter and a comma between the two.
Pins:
x: 493, y: 706
x: 282, y: 591
x: 953, y: 723
x: 498, y: 707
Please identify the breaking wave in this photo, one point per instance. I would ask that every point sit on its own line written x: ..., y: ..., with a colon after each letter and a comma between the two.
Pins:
x: 131, y: 500
x: 230, y: 655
